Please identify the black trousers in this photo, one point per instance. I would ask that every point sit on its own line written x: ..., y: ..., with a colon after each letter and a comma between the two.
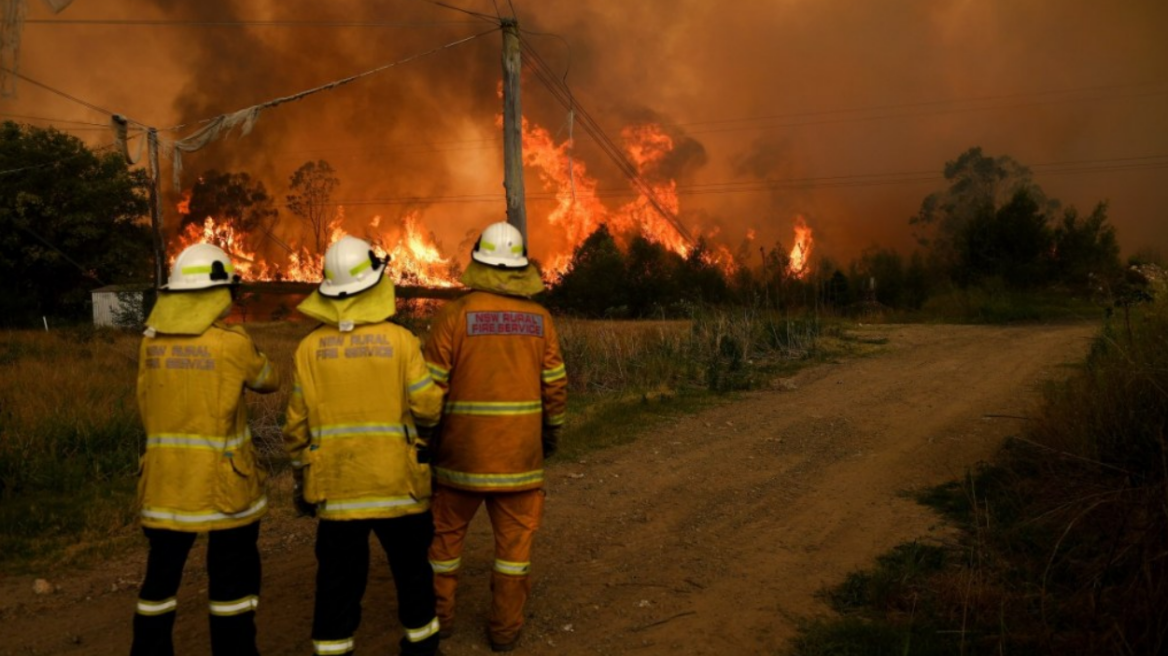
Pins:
x: 342, y: 556
x: 233, y: 573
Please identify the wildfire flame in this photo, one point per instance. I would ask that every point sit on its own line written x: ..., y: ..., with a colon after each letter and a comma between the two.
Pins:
x: 415, y: 256
x: 800, y: 258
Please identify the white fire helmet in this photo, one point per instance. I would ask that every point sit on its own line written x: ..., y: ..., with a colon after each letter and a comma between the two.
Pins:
x: 350, y: 267
x: 201, y: 266
x: 501, y: 245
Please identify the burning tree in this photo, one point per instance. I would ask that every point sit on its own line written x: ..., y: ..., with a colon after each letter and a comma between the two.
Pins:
x: 234, y: 199
x: 312, y: 189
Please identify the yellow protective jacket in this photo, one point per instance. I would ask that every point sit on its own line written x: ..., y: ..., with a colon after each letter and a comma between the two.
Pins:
x: 498, y: 358
x: 352, y: 421
x: 199, y: 471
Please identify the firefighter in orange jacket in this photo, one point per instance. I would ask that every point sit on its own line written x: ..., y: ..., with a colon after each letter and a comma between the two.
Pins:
x: 361, y: 410
x: 495, y: 353
x: 199, y: 470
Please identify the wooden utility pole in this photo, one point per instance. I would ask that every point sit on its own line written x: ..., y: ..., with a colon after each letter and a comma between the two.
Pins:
x: 513, y: 129
x: 156, y: 210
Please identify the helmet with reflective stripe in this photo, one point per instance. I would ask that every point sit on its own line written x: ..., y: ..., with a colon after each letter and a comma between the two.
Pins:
x: 350, y: 267
x: 501, y: 245
x: 201, y: 266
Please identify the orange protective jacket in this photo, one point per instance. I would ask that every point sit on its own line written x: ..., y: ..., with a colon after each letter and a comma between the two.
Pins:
x: 498, y: 359
x: 199, y: 471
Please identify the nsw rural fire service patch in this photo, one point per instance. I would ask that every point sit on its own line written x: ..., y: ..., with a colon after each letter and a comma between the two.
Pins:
x: 504, y: 323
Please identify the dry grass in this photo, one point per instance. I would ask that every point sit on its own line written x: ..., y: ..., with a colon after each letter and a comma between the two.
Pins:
x: 70, y: 434
x: 1064, y: 545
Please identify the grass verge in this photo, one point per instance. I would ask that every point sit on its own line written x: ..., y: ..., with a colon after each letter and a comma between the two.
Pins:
x: 1064, y: 537
x: 70, y: 435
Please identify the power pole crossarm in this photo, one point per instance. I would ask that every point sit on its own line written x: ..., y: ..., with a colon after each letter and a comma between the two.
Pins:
x: 513, y: 129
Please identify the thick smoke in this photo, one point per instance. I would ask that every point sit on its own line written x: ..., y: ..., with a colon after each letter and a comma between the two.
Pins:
x: 837, y: 96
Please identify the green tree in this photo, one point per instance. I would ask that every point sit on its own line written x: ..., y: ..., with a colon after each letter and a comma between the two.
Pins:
x: 593, y: 285
x: 882, y: 268
x: 700, y: 278
x: 979, y: 186
x: 653, y: 277
x: 72, y: 222
x: 234, y: 199
x: 311, y: 199
x: 1085, y: 246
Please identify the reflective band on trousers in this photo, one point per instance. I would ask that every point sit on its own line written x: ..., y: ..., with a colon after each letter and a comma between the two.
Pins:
x: 493, y: 481
x: 194, y: 519
x: 494, y: 408
x: 323, y: 647
x: 157, y: 607
x: 188, y: 441
x: 445, y: 566
x: 514, y: 569
x: 237, y: 607
x: 418, y: 635
x: 554, y: 420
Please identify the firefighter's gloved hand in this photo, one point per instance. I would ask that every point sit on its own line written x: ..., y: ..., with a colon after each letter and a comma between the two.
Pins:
x: 429, y: 435
x: 551, y: 440
x: 303, y: 508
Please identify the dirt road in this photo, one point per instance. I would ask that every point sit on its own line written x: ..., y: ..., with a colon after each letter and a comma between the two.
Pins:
x: 709, y: 536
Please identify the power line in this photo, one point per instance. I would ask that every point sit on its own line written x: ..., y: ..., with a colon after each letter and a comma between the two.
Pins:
x: 1145, y: 162
x: 65, y: 95
x: 53, y: 120
x: 563, y: 94
x: 481, y: 16
x: 934, y: 103
x: 246, y: 23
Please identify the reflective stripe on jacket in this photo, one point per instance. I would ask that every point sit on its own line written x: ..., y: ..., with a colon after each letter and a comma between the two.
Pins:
x: 498, y: 358
x: 199, y: 471
x: 352, y: 421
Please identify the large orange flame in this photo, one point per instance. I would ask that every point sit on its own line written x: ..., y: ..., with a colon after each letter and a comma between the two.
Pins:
x: 416, y: 257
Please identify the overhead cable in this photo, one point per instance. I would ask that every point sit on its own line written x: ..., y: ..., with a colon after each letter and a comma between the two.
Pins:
x: 246, y: 118
x: 247, y: 23
x: 563, y: 94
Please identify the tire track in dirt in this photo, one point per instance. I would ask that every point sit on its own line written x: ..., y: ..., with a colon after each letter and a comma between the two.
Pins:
x: 709, y: 535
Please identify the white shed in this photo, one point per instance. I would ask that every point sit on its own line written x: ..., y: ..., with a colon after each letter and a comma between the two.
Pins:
x: 120, y: 305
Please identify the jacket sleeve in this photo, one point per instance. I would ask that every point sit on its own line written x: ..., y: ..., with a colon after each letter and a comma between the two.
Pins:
x: 439, y: 349
x: 553, y: 379
x: 296, y: 435
x: 425, y: 397
x: 259, y: 374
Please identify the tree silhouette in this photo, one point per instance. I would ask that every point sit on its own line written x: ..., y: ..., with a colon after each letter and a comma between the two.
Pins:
x: 311, y: 198
x: 71, y: 220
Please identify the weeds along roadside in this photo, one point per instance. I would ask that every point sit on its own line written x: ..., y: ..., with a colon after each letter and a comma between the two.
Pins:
x: 1064, y: 536
x: 70, y: 435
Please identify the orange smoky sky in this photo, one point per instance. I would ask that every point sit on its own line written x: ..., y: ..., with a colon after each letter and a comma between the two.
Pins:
x: 838, y: 111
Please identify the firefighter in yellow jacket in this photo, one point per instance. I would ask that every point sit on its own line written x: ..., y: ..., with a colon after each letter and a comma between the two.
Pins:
x: 361, y: 410
x: 495, y: 353
x: 199, y: 471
